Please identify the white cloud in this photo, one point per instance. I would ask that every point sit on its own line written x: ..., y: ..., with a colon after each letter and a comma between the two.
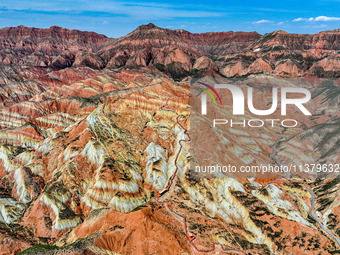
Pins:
x: 299, y: 19
x: 262, y: 21
x: 319, y: 18
x: 325, y: 18
x: 280, y: 23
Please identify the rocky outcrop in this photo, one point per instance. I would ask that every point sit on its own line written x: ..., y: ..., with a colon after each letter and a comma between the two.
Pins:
x: 240, y: 68
x: 204, y: 63
x: 259, y: 66
x: 83, y: 58
x: 327, y: 67
x: 287, y: 68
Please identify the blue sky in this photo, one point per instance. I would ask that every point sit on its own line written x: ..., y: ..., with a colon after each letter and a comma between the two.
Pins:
x: 117, y: 18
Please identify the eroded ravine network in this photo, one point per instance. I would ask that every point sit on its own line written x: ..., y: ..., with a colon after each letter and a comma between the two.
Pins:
x: 324, y: 227
x: 169, y: 203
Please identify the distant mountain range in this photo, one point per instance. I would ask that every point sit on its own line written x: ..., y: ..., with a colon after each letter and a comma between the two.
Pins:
x: 177, y: 53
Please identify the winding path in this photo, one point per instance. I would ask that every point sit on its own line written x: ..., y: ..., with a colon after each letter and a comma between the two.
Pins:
x: 190, y: 237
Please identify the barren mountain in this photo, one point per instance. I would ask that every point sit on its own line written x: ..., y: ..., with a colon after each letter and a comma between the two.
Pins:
x: 54, y: 46
x: 95, y: 151
x: 177, y: 53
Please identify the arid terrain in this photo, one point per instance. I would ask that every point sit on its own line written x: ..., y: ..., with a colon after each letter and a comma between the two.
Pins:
x: 95, y: 144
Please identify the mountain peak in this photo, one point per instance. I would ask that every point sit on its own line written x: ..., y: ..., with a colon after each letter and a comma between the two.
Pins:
x: 55, y: 27
x: 277, y: 32
x: 146, y: 27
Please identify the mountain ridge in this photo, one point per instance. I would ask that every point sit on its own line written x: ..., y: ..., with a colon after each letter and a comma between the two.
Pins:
x: 176, y: 53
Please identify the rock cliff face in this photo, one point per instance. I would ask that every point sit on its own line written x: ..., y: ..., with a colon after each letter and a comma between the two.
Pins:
x: 95, y: 158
